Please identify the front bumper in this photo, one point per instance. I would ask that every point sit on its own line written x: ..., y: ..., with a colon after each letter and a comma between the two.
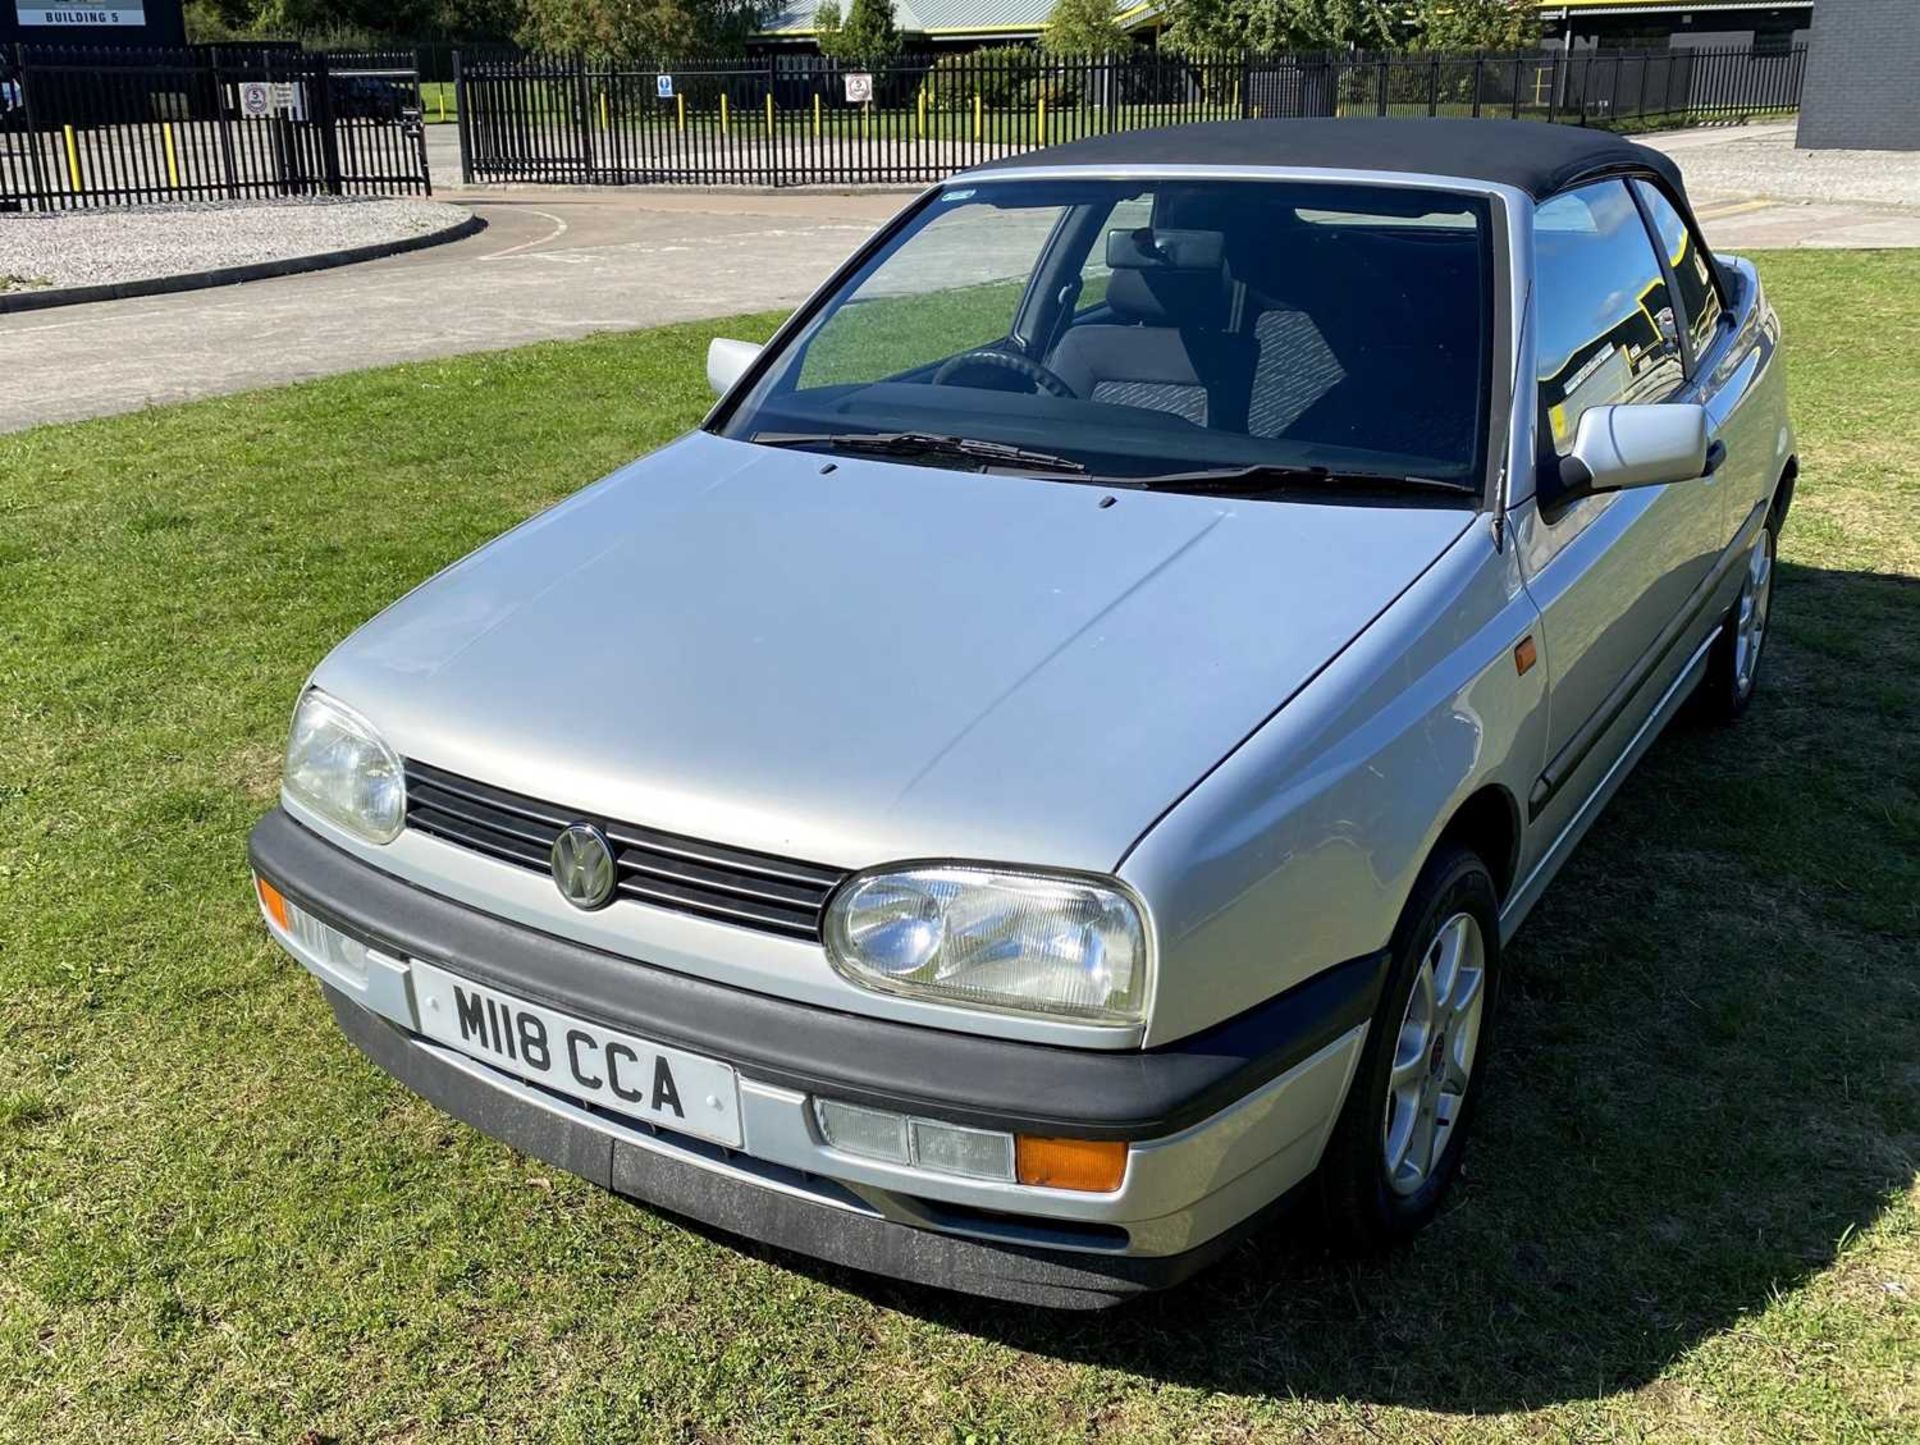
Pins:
x: 1220, y: 1126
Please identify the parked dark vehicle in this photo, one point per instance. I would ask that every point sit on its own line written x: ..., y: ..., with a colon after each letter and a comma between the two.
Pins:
x: 371, y: 97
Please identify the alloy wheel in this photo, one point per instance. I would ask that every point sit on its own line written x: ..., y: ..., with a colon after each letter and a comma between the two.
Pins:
x: 1433, y: 1055
x: 1750, y: 617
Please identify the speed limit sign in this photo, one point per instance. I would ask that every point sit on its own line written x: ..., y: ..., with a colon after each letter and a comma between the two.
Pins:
x: 256, y: 99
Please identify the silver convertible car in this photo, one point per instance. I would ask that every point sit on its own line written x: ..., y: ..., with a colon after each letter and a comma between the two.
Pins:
x: 1045, y: 774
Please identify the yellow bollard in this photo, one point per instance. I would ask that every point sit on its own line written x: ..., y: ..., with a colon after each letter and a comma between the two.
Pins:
x: 922, y: 119
x: 603, y: 111
x: 73, y: 159
x: 173, y: 160
x: 816, y: 115
x: 680, y: 106
x: 723, y: 112
x: 1041, y: 102
x: 441, y: 96
x: 769, y: 112
x: 976, y: 115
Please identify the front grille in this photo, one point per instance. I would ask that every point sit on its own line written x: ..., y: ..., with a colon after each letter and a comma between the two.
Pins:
x: 753, y: 890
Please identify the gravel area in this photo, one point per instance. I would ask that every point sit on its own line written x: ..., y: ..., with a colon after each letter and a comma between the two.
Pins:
x: 94, y: 248
x: 1761, y: 160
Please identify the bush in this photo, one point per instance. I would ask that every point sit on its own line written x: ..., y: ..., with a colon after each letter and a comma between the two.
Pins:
x: 998, y: 74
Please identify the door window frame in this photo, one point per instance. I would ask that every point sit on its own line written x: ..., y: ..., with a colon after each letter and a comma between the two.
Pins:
x: 1690, y: 357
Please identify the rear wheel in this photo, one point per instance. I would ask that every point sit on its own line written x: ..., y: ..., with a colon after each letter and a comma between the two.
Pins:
x: 1397, y: 1146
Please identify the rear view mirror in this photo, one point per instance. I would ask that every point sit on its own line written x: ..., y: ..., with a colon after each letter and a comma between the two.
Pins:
x: 1643, y: 445
x: 727, y: 362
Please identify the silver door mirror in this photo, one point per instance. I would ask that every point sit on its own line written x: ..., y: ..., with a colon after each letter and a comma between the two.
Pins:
x: 727, y: 362
x: 1638, y: 445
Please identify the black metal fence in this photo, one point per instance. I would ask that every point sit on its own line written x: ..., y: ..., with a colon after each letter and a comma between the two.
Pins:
x: 89, y: 128
x: 804, y: 120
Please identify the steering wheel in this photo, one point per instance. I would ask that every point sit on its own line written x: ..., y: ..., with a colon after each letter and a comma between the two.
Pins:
x: 1001, y: 361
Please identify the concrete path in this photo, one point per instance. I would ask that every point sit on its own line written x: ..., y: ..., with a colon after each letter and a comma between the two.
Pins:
x: 566, y: 262
x: 550, y: 264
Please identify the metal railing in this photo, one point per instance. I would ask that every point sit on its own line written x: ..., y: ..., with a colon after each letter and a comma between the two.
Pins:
x: 806, y: 120
x: 86, y: 128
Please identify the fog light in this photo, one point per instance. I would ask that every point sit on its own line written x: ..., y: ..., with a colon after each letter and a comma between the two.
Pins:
x: 320, y: 941
x: 872, y: 1133
x: 917, y: 1143
x: 952, y: 1149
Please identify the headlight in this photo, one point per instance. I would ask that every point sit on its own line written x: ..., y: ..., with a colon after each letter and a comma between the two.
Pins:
x: 1026, y: 942
x: 337, y: 766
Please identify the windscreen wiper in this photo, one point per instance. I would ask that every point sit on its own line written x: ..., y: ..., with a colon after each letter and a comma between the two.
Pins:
x: 924, y: 444
x: 1276, y: 477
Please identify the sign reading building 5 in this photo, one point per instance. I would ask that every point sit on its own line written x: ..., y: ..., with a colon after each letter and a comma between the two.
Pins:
x: 131, y: 16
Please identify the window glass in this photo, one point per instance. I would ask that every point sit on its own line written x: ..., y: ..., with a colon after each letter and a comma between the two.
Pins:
x: 956, y: 289
x: 1603, y: 319
x: 1340, y: 331
x: 1692, y: 270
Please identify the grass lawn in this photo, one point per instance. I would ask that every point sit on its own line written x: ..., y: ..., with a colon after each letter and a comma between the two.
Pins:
x: 1691, y: 1212
x: 438, y: 101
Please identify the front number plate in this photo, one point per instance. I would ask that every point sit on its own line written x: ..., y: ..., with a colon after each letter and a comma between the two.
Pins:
x: 617, y: 1071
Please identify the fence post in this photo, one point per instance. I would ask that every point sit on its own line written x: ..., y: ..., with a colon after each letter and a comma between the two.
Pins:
x: 463, y: 119
x: 583, y: 116
x: 329, y: 132
x: 1519, y: 63
x: 1433, y: 88
x: 1479, y: 73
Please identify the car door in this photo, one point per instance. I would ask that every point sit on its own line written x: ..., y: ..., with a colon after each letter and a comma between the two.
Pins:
x: 1609, y: 573
x: 1726, y: 361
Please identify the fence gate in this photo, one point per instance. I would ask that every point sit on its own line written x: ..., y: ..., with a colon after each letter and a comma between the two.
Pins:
x: 94, y: 127
x: 801, y: 120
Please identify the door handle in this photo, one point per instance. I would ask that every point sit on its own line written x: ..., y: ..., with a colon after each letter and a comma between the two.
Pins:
x: 1716, y: 457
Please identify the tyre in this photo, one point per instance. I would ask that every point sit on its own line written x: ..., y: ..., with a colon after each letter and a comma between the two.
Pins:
x: 1733, y: 669
x: 1398, y: 1143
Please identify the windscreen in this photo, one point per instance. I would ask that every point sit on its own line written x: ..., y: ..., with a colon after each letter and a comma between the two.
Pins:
x: 1155, y: 328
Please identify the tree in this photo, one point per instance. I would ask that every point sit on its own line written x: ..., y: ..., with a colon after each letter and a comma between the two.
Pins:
x: 1083, y: 27
x: 864, y: 37
x: 1224, y: 25
x: 640, y: 29
x: 1460, y: 25
x: 213, y: 20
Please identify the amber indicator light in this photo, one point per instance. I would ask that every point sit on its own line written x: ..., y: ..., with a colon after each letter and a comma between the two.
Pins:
x: 274, y: 903
x: 1094, y: 1165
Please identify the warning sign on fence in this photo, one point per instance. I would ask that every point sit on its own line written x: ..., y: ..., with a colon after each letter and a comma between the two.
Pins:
x: 859, y: 87
x: 256, y: 99
x: 663, y: 86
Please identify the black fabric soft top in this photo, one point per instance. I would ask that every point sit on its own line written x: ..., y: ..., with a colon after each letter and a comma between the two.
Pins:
x: 1534, y: 156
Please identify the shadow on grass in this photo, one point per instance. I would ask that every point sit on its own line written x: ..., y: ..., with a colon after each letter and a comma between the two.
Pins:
x: 1704, y: 1079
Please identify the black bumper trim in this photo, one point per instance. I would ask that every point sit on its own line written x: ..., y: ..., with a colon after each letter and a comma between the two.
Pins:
x: 993, y: 1083
x: 1055, y: 1279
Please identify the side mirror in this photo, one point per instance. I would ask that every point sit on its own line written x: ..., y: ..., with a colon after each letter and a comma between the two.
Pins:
x: 727, y: 362
x: 1635, y: 445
